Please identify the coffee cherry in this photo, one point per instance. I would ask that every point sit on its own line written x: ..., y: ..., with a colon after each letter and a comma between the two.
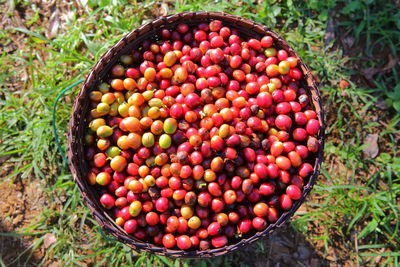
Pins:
x: 244, y: 226
x: 107, y: 201
x: 260, y: 209
x: 312, y: 127
x: 183, y: 242
x: 285, y: 202
x: 169, y: 241
x: 283, y: 122
x: 219, y: 241
x: 131, y: 226
x: 162, y: 204
x: 293, y: 192
x: 214, y: 229
x: 299, y: 134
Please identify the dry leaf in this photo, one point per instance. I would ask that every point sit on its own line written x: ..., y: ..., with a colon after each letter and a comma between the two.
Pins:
x: 49, y: 239
x: 330, y: 32
x: 372, y: 150
x: 369, y: 73
x: 390, y: 64
x: 381, y: 105
x: 348, y: 42
x: 330, y: 258
x: 54, y: 24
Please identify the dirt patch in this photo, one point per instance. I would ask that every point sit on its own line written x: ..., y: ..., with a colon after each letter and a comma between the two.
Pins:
x: 21, y: 203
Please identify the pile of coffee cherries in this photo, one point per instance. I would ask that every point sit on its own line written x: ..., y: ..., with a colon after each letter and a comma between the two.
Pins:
x: 201, y: 137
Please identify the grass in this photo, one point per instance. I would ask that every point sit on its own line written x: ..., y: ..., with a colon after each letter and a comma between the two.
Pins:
x: 354, y: 207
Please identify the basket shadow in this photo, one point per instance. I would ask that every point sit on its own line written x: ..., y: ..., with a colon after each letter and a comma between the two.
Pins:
x: 21, y: 202
x: 284, y: 247
x: 14, y: 250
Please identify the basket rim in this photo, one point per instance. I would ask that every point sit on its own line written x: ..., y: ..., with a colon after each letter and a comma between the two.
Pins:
x: 77, y: 128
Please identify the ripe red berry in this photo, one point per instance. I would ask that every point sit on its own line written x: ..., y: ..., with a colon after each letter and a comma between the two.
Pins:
x: 192, y: 100
x: 162, y: 204
x: 261, y: 170
x: 214, y: 229
x: 285, y: 202
x: 312, y: 127
x: 283, y: 122
x: 152, y: 218
x: 267, y: 189
x: 230, y: 197
x: 219, y: 241
x: 266, y: 41
x: 305, y: 169
x: 183, y: 242
x: 107, y: 201
x: 299, y: 134
x: 293, y: 192
x: 260, y: 209
x: 131, y: 226
x: 169, y: 241
x: 245, y: 226
x: 259, y: 223
x: 264, y: 99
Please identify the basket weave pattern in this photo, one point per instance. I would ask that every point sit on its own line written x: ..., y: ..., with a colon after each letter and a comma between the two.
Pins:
x: 78, y: 126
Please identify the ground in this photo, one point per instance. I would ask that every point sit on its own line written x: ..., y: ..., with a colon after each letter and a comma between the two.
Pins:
x: 352, y: 215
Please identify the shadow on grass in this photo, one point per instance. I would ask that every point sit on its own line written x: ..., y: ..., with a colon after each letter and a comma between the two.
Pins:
x: 16, y: 250
x: 20, y: 203
x: 284, y: 247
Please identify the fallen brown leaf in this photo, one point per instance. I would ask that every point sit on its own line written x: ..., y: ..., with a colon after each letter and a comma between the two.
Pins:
x: 348, y: 41
x: 49, y: 239
x: 54, y: 24
x: 330, y: 31
x: 392, y: 61
x: 372, y: 150
x: 369, y: 73
x: 381, y: 105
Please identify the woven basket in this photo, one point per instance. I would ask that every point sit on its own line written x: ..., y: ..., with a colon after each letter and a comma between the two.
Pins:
x: 78, y: 125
